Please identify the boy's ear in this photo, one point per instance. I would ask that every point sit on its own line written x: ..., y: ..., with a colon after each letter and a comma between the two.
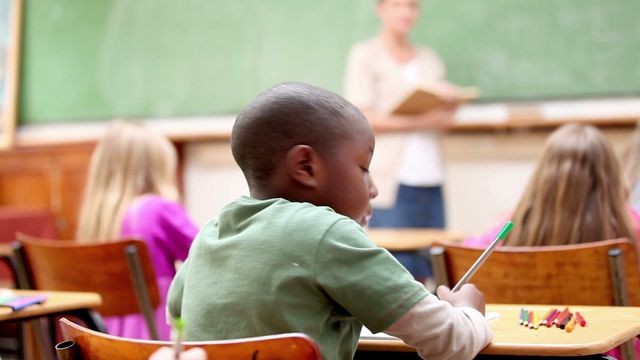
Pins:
x: 303, y: 165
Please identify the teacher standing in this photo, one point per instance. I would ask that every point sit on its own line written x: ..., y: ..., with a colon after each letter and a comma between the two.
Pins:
x: 407, y: 166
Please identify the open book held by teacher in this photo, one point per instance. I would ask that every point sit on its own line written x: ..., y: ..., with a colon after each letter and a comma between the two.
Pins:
x: 424, y: 99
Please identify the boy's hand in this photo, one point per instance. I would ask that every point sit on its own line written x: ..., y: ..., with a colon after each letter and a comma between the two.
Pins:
x: 468, y: 295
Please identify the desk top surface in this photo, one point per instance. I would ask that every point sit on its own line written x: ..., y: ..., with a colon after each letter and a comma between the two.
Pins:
x: 607, y: 327
x: 408, y: 239
x: 58, y: 301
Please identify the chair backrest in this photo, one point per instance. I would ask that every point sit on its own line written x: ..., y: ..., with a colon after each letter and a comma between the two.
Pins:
x: 102, y: 268
x: 93, y: 345
x: 568, y: 274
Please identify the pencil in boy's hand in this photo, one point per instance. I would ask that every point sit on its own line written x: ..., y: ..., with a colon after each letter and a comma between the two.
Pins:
x: 501, y: 235
x: 178, y: 326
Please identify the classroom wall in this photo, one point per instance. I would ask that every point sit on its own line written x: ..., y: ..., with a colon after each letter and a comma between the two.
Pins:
x: 485, y: 175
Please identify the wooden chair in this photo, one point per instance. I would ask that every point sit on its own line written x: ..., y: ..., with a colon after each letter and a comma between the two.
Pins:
x: 86, y: 344
x: 599, y: 273
x: 120, y: 271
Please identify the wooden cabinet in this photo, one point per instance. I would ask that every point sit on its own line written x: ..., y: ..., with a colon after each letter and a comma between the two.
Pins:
x: 46, y: 177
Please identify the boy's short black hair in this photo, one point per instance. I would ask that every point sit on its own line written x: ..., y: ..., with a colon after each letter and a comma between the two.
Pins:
x: 286, y: 115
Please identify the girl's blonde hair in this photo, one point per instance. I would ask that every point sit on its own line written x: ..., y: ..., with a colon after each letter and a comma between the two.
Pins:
x: 632, y: 159
x: 128, y: 162
x: 576, y: 194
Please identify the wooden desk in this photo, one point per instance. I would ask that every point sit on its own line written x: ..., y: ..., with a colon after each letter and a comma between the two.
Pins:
x: 59, y: 302
x: 411, y: 239
x: 607, y: 327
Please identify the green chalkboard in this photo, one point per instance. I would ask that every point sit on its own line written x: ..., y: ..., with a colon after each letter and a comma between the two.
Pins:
x: 99, y: 59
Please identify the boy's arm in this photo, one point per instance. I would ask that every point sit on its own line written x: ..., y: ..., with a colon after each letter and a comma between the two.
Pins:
x: 438, y: 330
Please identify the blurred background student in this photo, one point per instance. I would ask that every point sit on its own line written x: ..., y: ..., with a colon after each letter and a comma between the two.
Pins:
x: 576, y: 195
x: 408, y: 165
x: 132, y: 192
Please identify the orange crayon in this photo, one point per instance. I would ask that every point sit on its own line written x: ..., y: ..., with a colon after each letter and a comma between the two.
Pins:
x: 563, y: 324
x: 571, y: 324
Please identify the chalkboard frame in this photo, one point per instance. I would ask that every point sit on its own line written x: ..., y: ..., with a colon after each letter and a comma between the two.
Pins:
x: 9, y: 85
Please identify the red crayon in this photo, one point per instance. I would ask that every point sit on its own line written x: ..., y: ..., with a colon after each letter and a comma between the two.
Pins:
x: 563, y: 315
x: 566, y: 321
x: 581, y: 319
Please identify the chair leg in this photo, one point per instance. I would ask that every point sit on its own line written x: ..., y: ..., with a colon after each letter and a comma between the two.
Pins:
x: 628, y: 350
x: 620, y: 298
x: 618, y: 283
x: 67, y: 350
x: 20, y: 267
x: 439, y: 266
x: 140, y: 287
x: 41, y: 339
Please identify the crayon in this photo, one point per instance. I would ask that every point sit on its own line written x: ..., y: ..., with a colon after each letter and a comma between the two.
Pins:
x: 536, y: 320
x: 563, y: 315
x: 571, y: 324
x: 525, y: 319
x: 531, y: 319
x: 522, y: 312
x: 546, y: 317
x: 581, y: 319
x: 566, y: 321
x: 553, y: 317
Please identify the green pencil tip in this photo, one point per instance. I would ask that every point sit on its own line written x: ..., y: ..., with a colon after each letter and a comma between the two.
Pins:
x: 505, y: 230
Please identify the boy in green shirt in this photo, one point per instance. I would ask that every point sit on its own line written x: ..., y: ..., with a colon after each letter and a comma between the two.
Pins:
x: 293, y: 256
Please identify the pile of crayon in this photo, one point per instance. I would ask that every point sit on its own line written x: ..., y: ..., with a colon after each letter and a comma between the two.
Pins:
x: 565, y: 319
